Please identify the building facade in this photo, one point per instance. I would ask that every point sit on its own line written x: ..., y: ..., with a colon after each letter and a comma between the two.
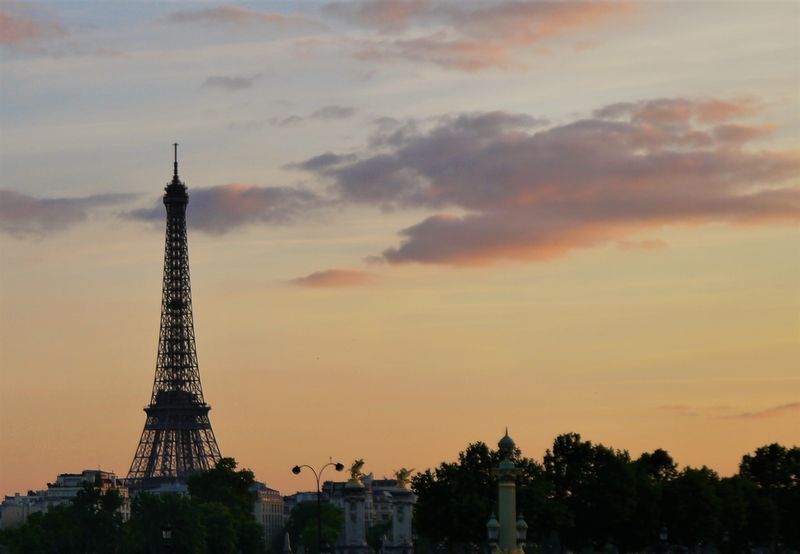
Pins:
x: 15, y: 510
x: 268, y: 510
x: 367, y: 504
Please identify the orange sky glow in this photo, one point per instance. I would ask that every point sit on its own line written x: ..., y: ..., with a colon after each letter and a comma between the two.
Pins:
x: 411, y: 224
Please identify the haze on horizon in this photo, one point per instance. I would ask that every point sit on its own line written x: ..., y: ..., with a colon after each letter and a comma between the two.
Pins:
x: 411, y: 224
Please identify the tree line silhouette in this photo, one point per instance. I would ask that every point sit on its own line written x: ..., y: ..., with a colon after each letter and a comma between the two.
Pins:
x: 586, y: 496
x: 582, y: 497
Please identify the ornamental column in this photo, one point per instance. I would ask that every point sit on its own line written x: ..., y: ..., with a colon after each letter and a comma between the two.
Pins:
x: 508, y: 531
x: 355, y: 530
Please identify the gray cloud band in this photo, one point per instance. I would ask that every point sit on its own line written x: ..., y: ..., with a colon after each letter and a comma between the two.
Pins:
x: 22, y: 215
x: 537, y: 194
x: 506, y: 186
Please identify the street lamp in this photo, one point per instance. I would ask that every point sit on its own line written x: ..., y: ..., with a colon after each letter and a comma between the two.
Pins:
x: 166, y: 534
x: 493, y: 531
x: 317, y: 475
x: 522, y: 530
x: 663, y: 538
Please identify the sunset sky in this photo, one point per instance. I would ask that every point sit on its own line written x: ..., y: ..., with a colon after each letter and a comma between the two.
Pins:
x: 411, y: 224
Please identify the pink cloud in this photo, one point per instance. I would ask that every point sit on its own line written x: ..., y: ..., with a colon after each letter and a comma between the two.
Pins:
x: 467, y: 38
x: 680, y: 111
x: 16, y: 28
x: 385, y: 15
x: 228, y: 14
x: 716, y: 110
x: 335, y: 278
x: 641, y: 245
x: 463, y: 54
x: 523, y: 23
x: 503, y: 188
x: 739, y: 134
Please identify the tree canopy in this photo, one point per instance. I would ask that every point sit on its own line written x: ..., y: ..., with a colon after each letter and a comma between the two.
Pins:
x: 216, y: 518
x: 589, y: 496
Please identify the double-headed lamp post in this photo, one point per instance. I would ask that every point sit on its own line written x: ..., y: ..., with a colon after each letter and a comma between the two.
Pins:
x: 317, y: 475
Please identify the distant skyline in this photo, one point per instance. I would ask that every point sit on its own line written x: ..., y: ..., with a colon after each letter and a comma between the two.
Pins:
x: 411, y: 224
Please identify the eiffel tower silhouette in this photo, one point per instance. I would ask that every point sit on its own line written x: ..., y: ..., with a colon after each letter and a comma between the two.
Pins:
x: 177, y: 439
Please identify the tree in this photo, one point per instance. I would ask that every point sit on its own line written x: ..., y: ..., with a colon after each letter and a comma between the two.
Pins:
x: 775, y: 472
x: 772, y: 467
x: 454, y: 500
x: 692, y: 508
x: 151, y: 513
x: 91, y: 523
x: 302, y: 525
x: 597, y: 488
x: 658, y: 465
x: 225, y: 487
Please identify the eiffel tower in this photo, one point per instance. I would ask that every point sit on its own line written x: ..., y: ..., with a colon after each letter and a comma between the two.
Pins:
x: 177, y: 439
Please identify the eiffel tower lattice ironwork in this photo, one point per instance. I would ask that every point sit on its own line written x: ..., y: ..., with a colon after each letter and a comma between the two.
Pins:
x: 177, y: 439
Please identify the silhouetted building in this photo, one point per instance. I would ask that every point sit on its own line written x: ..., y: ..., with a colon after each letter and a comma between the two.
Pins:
x: 15, y: 510
x: 366, y: 504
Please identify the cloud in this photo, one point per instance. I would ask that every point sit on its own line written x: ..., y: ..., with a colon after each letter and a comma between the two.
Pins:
x: 322, y: 161
x: 466, y: 37
x: 462, y: 54
x: 775, y: 411
x: 20, y: 26
x: 641, y: 245
x: 22, y: 215
x: 236, y: 15
x: 230, y: 83
x: 334, y: 112
x: 507, y: 189
x: 384, y: 15
x: 286, y: 121
x: 679, y: 111
x: 678, y: 410
x: 335, y: 278
x: 325, y: 113
x: 223, y: 208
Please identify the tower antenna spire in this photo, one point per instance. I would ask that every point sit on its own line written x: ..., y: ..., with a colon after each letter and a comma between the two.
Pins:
x: 175, y: 144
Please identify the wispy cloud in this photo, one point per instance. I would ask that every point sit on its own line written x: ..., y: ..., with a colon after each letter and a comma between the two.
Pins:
x: 678, y: 410
x: 325, y: 113
x: 466, y: 37
x: 223, y: 208
x: 231, y: 83
x: 236, y: 15
x: 384, y: 15
x: 19, y: 25
x: 527, y: 193
x: 646, y: 245
x: 775, y: 411
x: 335, y: 278
x: 334, y: 112
x: 22, y: 215
x: 33, y: 29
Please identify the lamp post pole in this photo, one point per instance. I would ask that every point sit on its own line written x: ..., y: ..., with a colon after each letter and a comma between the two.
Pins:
x: 317, y: 475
